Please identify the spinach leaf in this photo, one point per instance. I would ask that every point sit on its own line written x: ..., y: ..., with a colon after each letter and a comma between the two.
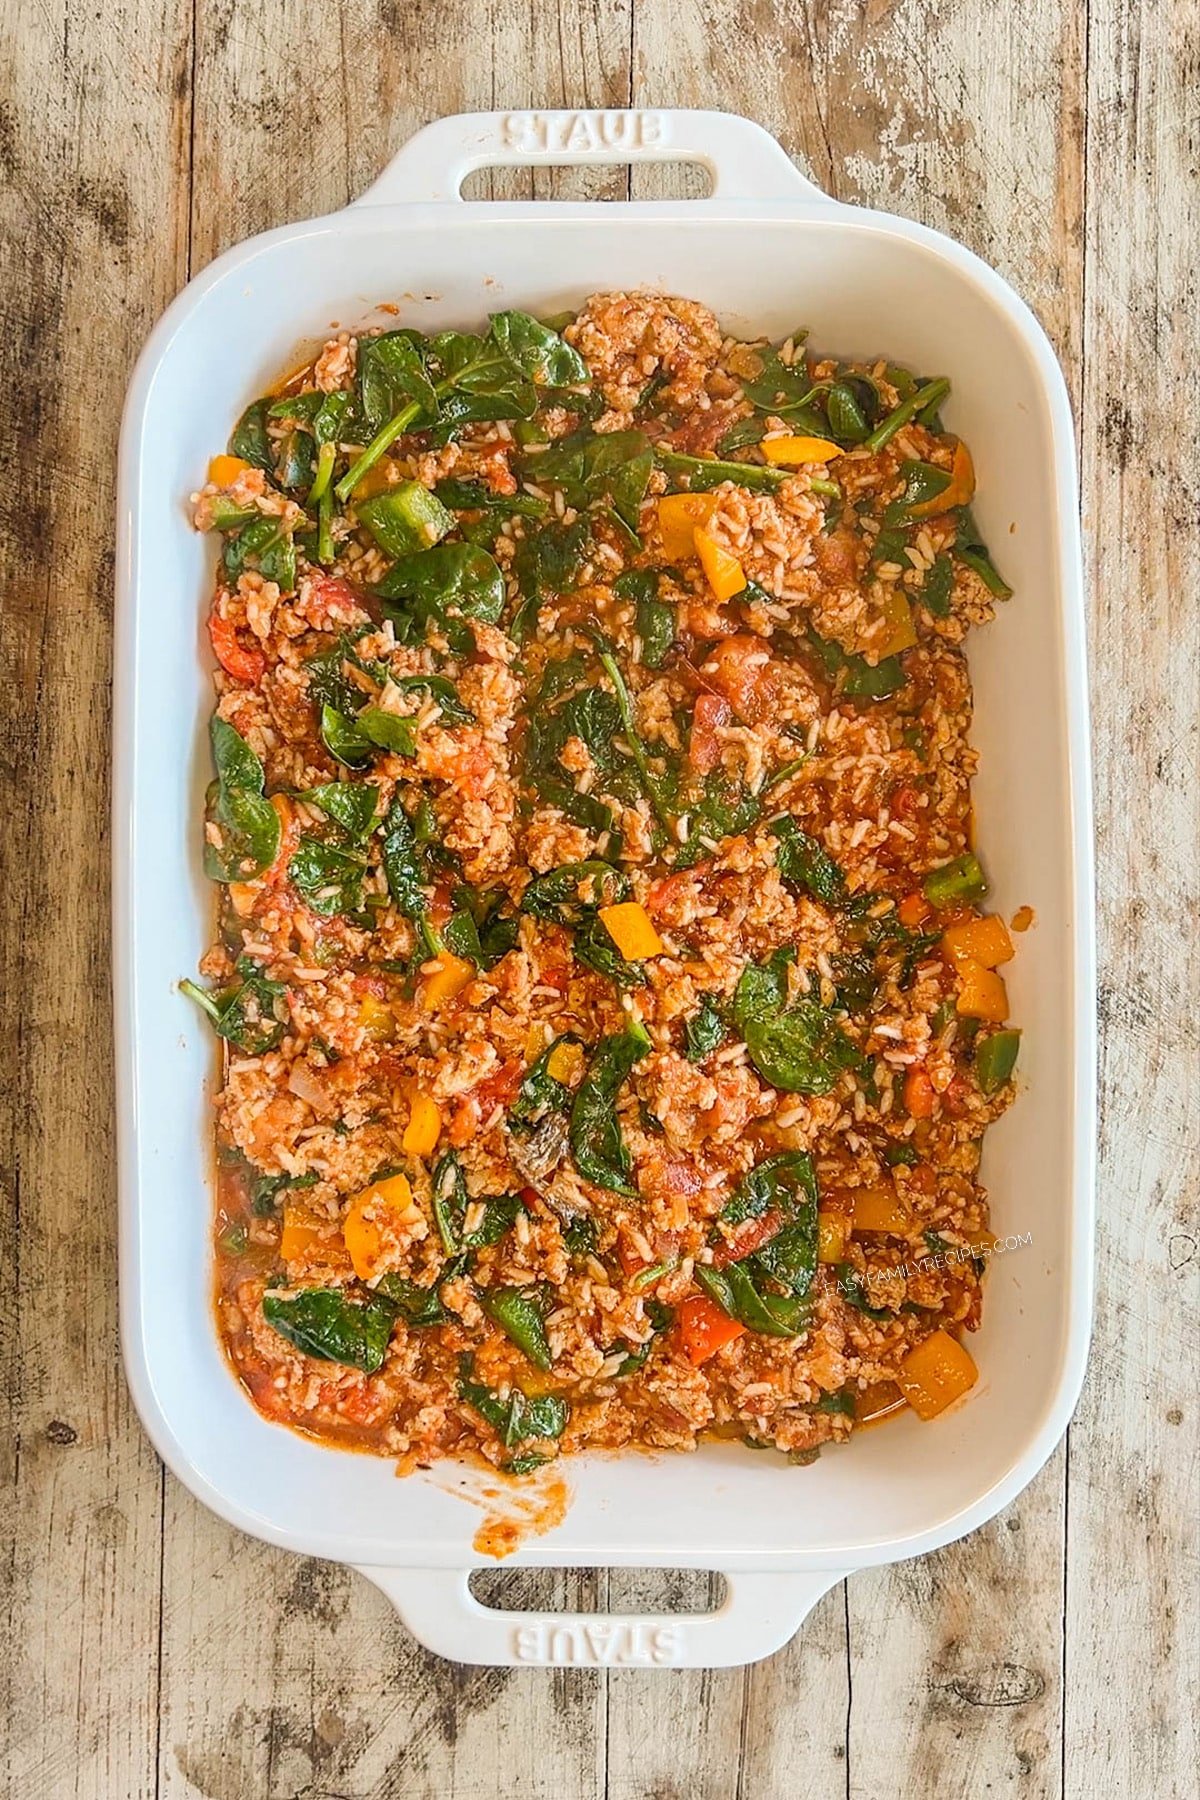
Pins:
x: 392, y: 375
x: 537, y: 350
x: 807, y: 865
x: 938, y: 587
x: 655, y: 619
x: 786, y: 1184
x: 722, y: 810
x: 593, y: 945
x: 499, y: 1216
x: 582, y: 809
x: 328, y: 683
x: 600, y: 1152
x: 264, y: 545
x: 405, y: 519
x: 265, y: 1190
x: 970, y: 548
x: 541, y: 1092
x: 519, y: 1313
x: 250, y: 440
x: 343, y: 739
x: 567, y: 894
x: 705, y: 1030
x: 407, y: 876
x: 853, y: 675
x: 800, y: 1050
x: 594, y: 467
x: 581, y: 1236
x: 245, y: 1012
x: 841, y: 1400
x: 475, y: 496
x: 781, y: 387
x: 352, y: 805
x: 450, y: 1200
x: 321, y: 415
x: 352, y: 741
x: 248, y: 823
x: 431, y: 582
x: 773, y: 1315
x: 851, y: 1288
x: 547, y: 563
x: 329, y: 880
x: 327, y: 1324
x: 517, y: 1418
x: 851, y: 408
x: 419, y: 1306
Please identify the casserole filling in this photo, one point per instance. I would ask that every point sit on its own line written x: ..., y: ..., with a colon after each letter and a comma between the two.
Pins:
x: 609, y: 1007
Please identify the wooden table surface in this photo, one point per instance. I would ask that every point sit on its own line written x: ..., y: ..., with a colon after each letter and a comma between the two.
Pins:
x: 150, y: 1650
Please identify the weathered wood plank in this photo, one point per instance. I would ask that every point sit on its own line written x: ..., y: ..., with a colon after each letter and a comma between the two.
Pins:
x: 924, y: 114
x: 1132, y: 1585
x: 94, y: 146
x: 288, y: 1676
x: 294, y: 116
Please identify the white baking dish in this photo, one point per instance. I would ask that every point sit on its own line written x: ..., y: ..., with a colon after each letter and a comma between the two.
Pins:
x: 768, y: 252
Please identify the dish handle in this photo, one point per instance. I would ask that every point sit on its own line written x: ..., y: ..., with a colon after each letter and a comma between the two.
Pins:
x: 759, y: 1614
x: 743, y: 161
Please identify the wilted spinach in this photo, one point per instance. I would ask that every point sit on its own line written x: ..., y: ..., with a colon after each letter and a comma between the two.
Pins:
x: 328, y: 879
x: 266, y: 546
x: 705, y: 1031
x: 785, y: 1184
x: 806, y: 865
x: 600, y: 1151
x: 352, y: 805
x: 407, y: 875
x: 432, y: 584
x: 799, y: 1049
x: 328, y: 1324
x: 569, y: 893
x: 247, y: 822
x: 518, y: 1418
x: 250, y: 439
x: 245, y: 1012
x: 654, y: 617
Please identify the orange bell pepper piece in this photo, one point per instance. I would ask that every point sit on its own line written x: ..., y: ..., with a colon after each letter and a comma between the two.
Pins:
x: 726, y: 576
x: 794, y: 451
x: 678, y: 517
x: 935, y: 1373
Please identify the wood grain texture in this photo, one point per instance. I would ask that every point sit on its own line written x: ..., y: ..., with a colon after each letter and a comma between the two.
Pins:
x: 1135, y: 1478
x: 94, y: 224
x: 151, y: 1650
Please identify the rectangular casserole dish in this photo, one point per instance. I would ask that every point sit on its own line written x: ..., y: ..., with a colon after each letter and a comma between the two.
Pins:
x: 766, y: 251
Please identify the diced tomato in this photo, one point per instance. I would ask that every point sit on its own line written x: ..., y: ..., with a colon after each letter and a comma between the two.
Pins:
x: 955, y: 1097
x: 913, y: 910
x: 905, y: 801
x: 750, y: 1236
x: 243, y: 663
x: 374, y: 985
x: 529, y: 1199
x: 500, y: 1088
x: 631, y: 1259
x: 740, y: 668
x: 922, y: 1177
x: 681, y: 1178
x: 331, y: 595
x: 711, y: 713
x: 664, y: 893
x: 704, y: 1328
x: 919, y: 1094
